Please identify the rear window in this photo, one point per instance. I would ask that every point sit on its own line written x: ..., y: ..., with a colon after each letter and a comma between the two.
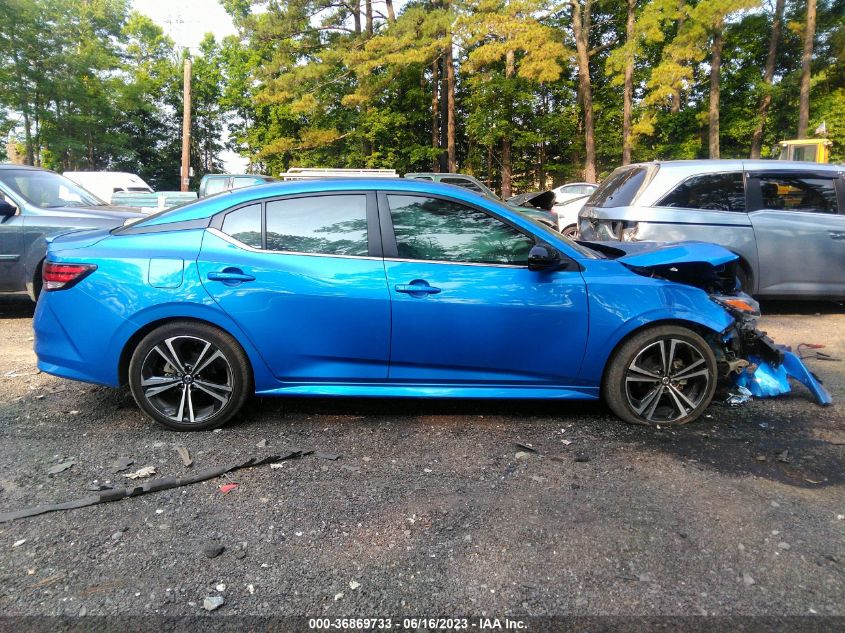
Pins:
x: 460, y: 182
x: 712, y: 192
x: 620, y: 188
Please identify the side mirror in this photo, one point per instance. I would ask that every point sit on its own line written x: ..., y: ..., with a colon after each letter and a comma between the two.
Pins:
x: 7, y: 210
x: 542, y: 257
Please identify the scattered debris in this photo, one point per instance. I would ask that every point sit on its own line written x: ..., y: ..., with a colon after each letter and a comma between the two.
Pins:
x: 95, y: 486
x: 19, y: 543
x: 212, y: 550
x: 240, y: 552
x: 783, y: 456
x: 761, y: 457
x: 427, y: 470
x: 141, y: 473
x: 117, y: 536
x: 784, y: 545
x: 212, y: 602
x: 261, y: 444
x: 329, y: 456
x: 250, y: 589
x: 74, y: 412
x: 221, y: 587
x: 739, y: 397
x: 764, y: 425
x: 747, y: 579
x: 581, y: 457
x: 156, y: 485
x: 566, y: 442
x: 17, y: 374
x: 121, y: 464
x: 522, y: 455
x: 277, y: 465
x: 338, y: 596
x: 227, y: 488
x: 526, y: 447
x: 185, y: 455
x: 60, y: 468
x: 354, y: 585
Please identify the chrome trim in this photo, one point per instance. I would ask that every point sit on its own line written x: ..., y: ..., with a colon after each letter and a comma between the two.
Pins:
x: 228, y: 238
x: 439, y: 261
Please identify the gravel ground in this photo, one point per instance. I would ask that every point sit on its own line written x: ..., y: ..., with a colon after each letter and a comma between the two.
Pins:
x: 432, y: 509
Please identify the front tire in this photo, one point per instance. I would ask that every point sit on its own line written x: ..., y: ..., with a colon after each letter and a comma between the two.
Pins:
x: 663, y: 375
x: 570, y: 231
x: 189, y: 376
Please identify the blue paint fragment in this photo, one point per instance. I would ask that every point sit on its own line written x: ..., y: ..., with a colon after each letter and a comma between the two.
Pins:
x: 769, y: 380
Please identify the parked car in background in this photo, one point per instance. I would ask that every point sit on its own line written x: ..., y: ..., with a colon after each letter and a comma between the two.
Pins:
x: 441, y: 292
x: 35, y: 205
x: 785, y: 220
x: 571, y: 190
x: 471, y: 183
x: 217, y: 183
x: 105, y: 183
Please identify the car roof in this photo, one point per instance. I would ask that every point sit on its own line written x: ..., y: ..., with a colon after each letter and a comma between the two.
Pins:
x: 206, y: 207
x: 5, y: 166
x: 721, y: 164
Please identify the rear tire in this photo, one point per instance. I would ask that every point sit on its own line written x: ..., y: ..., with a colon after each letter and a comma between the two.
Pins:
x: 663, y: 375
x: 190, y: 376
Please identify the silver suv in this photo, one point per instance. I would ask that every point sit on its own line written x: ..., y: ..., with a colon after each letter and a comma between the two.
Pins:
x: 786, y: 220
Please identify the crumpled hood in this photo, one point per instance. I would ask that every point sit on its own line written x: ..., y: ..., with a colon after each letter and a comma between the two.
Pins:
x: 650, y: 254
x: 536, y: 199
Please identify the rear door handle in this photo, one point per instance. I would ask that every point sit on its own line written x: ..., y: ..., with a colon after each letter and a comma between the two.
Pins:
x: 417, y: 288
x: 230, y: 275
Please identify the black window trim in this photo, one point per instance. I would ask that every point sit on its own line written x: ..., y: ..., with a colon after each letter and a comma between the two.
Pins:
x: 754, y: 194
x: 374, y: 247
x: 745, y: 188
x: 391, y: 250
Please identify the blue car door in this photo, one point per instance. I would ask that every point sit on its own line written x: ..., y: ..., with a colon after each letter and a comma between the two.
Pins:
x: 304, y: 279
x: 465, y: 307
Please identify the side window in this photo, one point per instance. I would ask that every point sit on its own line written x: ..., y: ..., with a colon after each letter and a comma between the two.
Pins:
x: 215, y: 185
x: 713, y: 192
x: 798, y: 193
x: 244, y: 225
x: 240, y: 183
x: 441, y: 230
x: 326, y: 225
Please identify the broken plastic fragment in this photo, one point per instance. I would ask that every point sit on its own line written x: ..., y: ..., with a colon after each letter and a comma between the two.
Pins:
x: 227, y: 488
x: 146, y: 471
x: 739, y: 397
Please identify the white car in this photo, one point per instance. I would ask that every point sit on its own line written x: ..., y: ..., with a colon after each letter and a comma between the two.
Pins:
x: 572, y: 190
x: 105, y: 183
x: 567, y: 216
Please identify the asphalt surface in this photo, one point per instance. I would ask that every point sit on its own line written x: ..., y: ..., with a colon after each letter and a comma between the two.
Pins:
x: 431, y: 509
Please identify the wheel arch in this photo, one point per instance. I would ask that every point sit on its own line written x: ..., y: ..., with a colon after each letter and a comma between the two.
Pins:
x: 699, y: 328
x: 138, y: 335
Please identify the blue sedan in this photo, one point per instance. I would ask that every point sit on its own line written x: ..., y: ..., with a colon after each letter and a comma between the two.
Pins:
x: 386, y: 288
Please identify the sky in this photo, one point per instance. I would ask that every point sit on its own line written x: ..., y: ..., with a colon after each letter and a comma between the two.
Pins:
x: 186, y: 22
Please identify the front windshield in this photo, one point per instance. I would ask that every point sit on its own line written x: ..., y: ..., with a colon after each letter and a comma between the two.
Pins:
x: 47, y: 190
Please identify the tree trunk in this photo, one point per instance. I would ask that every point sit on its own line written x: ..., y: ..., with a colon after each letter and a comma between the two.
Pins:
x: 628, y: 89
x: 806, y: 59
x: 27, y: 130
x: 435, y: 110
x: 675, y: 104
x: 768, y: 77
x: 507, y: 167
x: 450, y: 98
x: 444, y: 115
x: 391, y: 15
x: 581, y: 27
x: 368, y: 7
x: 715, y: 64
x: 356, y: 15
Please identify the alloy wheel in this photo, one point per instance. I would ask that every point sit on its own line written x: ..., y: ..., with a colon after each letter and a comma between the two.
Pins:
x: 667, y: 380
x: 186, y: 379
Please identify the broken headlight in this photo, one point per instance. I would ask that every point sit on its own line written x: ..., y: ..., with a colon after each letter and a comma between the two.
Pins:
x: 739, y: 305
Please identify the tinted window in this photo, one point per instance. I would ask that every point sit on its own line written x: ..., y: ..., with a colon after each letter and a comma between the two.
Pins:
x: 433, y: 229
x: 328, y: 225
x: 716, y: 192
x: 460, y: 182
x: 244, y: 225
x: 46, y: 189
x: 797, y: 193
x: 620, y: 187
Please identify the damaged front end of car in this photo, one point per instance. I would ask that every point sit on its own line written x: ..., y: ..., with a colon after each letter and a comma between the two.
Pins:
x: 746, y: 357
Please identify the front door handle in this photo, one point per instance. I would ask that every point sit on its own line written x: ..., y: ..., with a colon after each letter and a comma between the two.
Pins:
x: 837, y: 235
x: 417, y: 288
x: 230, y: 276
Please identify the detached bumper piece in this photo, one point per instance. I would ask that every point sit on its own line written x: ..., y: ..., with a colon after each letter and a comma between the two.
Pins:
x: 766, y: 379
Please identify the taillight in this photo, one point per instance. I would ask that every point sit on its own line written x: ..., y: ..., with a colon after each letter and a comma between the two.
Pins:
x: 61, y: 276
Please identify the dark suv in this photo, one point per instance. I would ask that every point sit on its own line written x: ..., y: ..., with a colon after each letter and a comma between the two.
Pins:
x: 36, y: 204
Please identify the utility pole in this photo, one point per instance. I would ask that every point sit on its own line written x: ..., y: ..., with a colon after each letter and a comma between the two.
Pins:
x: 186, y: 127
